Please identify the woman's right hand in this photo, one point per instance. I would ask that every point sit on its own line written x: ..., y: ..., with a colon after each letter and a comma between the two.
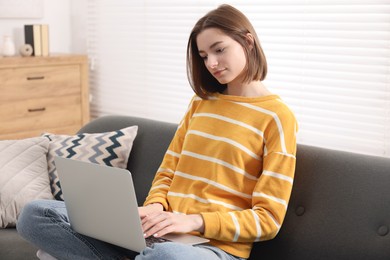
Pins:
x: 148, y: 209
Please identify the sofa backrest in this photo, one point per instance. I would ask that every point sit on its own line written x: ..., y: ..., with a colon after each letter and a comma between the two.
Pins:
x: 339, y: 208
x: 149, y: 147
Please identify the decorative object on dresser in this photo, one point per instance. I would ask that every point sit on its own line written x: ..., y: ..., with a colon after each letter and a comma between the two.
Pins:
x: 8, y: 46
x: 26, y: 50
x: 43, y: 94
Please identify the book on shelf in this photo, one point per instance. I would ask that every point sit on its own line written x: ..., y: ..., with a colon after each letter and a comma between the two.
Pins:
x: 45, y: 39
x: 37, y: 35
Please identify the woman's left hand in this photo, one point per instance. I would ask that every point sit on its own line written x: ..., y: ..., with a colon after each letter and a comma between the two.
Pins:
x: 161, y: 223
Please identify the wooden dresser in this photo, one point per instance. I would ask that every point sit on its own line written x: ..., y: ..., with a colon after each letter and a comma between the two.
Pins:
x: 43, y: 94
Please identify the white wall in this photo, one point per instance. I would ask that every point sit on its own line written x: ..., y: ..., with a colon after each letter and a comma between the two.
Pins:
x: 78, y: 18
x: 57, y: 13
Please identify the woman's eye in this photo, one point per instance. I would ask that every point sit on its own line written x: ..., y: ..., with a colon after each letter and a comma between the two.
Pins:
x: 203, y: 57
x: 220, y: 50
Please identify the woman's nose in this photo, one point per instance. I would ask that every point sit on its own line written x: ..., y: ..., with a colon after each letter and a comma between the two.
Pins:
x: 212, y: 63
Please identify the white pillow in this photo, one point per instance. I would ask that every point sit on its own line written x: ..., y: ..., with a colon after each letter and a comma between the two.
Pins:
x: 23, y: 176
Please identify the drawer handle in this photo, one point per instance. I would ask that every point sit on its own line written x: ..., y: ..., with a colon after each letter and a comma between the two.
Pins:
x: 36, y: 78
x: 36, y: 109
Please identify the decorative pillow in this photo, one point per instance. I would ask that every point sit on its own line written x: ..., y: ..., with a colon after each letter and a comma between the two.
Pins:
x: 110, y: 148
x: 23, y: 176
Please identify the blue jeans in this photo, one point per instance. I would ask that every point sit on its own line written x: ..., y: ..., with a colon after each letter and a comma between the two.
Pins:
x: 45, y: 224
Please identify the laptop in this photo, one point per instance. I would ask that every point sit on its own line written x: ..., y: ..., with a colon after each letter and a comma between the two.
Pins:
x: 101, y: 203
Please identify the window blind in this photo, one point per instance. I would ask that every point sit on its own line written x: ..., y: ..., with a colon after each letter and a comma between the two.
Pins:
x: 329, y: 60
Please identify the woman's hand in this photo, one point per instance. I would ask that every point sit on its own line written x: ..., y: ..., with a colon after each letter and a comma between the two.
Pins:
x: 160, y: 223
x: 149, y: 209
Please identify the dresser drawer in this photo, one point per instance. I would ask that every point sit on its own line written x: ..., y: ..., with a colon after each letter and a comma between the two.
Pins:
x: 40, y: 114
x: 43, y: 94
x: 37, y: 82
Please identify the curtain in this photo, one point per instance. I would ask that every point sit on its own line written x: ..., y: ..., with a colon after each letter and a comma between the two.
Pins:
x: 328, y: 60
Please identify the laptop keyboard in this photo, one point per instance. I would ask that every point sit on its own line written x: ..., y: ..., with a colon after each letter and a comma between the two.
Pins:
x: 152, y: 240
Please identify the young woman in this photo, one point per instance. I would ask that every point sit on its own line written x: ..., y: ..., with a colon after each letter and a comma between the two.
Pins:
x: 228, y: 172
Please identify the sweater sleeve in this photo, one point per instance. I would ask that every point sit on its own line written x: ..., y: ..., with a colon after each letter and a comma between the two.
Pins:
x: 271, y: 194
x: 163, y: 178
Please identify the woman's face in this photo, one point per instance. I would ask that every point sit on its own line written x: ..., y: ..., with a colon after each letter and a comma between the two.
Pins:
x: 223, y: 57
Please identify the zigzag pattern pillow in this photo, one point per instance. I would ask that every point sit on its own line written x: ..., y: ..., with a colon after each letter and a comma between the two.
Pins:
x: 110, y: 148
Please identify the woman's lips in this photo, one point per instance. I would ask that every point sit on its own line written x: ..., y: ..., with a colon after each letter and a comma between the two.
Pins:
x: 218, y: 72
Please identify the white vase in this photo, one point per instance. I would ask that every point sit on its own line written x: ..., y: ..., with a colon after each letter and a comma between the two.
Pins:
x: 8, y: 46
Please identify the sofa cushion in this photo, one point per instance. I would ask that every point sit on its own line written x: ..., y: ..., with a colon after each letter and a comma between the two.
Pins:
x: 23, y: 176
x: 109, y: 148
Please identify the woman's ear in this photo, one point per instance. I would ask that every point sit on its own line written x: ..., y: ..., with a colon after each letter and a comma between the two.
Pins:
x: 250, y: 40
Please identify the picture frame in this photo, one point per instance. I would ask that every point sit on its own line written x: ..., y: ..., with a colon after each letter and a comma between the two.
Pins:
x: 21, y: 9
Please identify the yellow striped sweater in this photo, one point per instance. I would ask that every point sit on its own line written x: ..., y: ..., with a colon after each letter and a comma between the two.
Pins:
x: 232, y: 160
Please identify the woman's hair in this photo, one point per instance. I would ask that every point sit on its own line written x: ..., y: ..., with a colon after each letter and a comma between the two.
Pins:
x: 235, y: 25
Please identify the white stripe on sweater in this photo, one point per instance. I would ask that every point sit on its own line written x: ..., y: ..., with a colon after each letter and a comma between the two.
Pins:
x: 229, y: 120
x: 177, y: 155
x: 278, y: 175
x: 277, y: 200
x: 275, y: 117
x: 205, y: 201
x: 237, y: 226
x: 286, y: 154
x: 164, y: 170
x: 162, y: 186
x: 226, y: 140
x: 213, y: 183
x: 221, y: 162
x: 257, y: 223
x: 277, y: 225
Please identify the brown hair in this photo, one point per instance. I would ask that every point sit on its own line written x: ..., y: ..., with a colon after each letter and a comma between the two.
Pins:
x: 237, y: 26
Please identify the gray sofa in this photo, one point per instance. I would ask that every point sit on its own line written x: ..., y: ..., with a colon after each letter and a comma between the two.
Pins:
x: 339, y: 209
